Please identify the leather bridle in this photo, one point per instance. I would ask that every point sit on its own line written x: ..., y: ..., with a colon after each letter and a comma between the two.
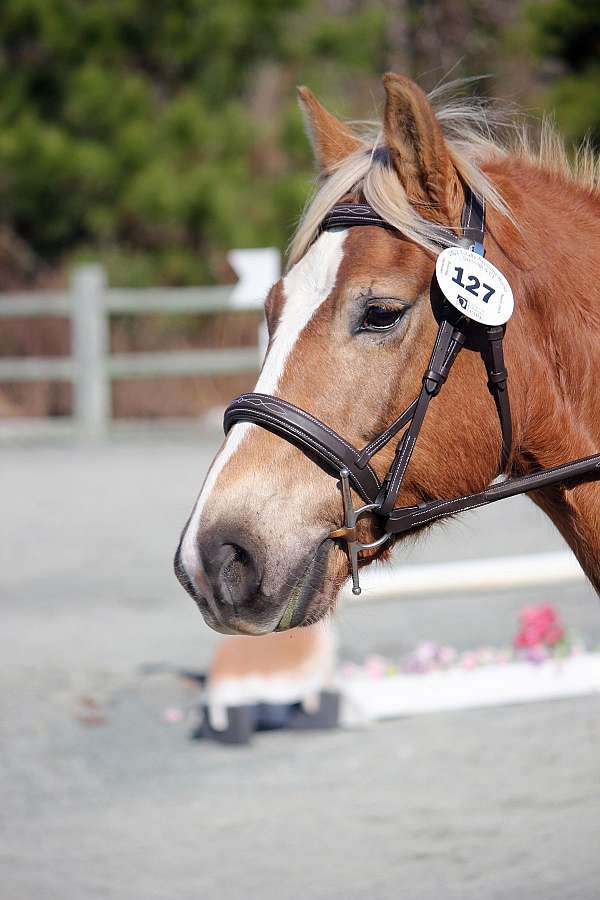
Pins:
x: 352, y: 466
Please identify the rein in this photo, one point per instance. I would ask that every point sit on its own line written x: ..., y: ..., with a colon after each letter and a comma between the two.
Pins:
x: 459, y: 326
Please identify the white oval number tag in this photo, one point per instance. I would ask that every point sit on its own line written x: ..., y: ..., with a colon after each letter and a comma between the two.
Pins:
x: 474, y: 286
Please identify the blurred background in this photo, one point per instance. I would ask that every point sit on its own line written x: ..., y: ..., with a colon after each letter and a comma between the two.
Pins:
x: 140, y: 143
x: 154, y: 137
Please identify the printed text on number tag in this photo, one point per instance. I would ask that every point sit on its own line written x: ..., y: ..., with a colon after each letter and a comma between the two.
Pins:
x: 474, y: 286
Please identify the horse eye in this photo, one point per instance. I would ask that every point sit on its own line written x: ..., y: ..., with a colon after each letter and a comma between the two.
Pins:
x: 381, y: 318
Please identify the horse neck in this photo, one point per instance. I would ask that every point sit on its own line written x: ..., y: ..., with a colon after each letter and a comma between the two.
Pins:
x: 553, y: 345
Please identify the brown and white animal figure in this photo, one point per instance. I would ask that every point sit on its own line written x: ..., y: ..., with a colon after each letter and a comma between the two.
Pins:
x: 281, y: 668
x: 351, y: 330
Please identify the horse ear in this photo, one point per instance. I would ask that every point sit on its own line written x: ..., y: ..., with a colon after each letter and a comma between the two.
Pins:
x: 331, y: 140
x: 418, y: 149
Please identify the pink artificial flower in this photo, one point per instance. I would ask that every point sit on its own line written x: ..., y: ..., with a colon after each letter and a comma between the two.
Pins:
x: 468, y: 660
x: 426, y: 652
x: 375, y: 666
x: 540, y: 625
x: 447, y: 655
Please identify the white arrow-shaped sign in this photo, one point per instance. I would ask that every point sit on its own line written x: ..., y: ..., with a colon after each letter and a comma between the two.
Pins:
x: 257, y: 271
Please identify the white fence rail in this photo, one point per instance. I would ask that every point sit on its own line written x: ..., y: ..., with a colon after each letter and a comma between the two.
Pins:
x: 89, y: 303
x: 498, y: 573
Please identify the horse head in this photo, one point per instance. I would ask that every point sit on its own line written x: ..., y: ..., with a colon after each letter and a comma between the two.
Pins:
x: 350, y: 334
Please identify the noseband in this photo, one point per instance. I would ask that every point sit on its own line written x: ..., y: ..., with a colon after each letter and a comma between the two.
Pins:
x: 457, y: 329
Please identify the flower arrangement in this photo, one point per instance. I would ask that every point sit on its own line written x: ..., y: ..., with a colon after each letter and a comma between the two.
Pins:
x: 541, y: 636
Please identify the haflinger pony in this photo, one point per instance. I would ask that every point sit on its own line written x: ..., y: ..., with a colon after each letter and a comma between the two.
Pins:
x: 352, y: 326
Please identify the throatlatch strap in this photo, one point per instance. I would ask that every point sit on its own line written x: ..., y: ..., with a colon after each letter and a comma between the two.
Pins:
x: 493, y: 358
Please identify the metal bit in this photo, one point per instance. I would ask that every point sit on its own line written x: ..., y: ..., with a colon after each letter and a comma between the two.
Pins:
x: 348, y: 532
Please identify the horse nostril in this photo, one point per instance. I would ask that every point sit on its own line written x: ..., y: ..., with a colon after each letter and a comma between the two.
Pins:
x: 238, y: 576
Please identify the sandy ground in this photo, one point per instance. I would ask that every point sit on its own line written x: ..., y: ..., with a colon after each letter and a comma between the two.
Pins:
x: 500, y: 803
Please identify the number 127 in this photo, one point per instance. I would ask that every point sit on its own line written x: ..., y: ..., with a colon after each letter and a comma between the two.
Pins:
x: 473, y: 285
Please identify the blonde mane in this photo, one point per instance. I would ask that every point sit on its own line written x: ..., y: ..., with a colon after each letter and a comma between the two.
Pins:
x: 475, y: 133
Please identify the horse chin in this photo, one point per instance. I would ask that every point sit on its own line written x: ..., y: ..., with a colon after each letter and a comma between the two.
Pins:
x: 314, y: 592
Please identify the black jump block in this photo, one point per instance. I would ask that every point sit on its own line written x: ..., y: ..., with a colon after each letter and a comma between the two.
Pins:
x: 244, y: 721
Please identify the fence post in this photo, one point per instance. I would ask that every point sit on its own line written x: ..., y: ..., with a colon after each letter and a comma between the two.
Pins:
x: 89, y: 348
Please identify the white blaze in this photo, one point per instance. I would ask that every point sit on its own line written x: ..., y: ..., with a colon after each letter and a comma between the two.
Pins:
x: 305, y: 288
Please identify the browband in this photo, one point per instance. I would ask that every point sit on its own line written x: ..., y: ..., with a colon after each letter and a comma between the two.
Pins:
x: 347, y: 215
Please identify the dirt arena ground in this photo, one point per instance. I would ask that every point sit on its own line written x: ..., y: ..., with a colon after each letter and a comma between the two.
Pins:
x: 109, y: 801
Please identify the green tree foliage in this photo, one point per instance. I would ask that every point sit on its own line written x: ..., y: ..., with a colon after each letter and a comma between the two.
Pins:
x: 156, y: 134
x: 568, y: 32
x: 125, y: 128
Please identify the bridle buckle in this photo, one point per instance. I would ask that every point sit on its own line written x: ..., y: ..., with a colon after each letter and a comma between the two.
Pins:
x: 348, y: 532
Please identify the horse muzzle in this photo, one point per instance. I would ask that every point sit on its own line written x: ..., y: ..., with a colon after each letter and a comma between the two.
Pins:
x: 233, y: 586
